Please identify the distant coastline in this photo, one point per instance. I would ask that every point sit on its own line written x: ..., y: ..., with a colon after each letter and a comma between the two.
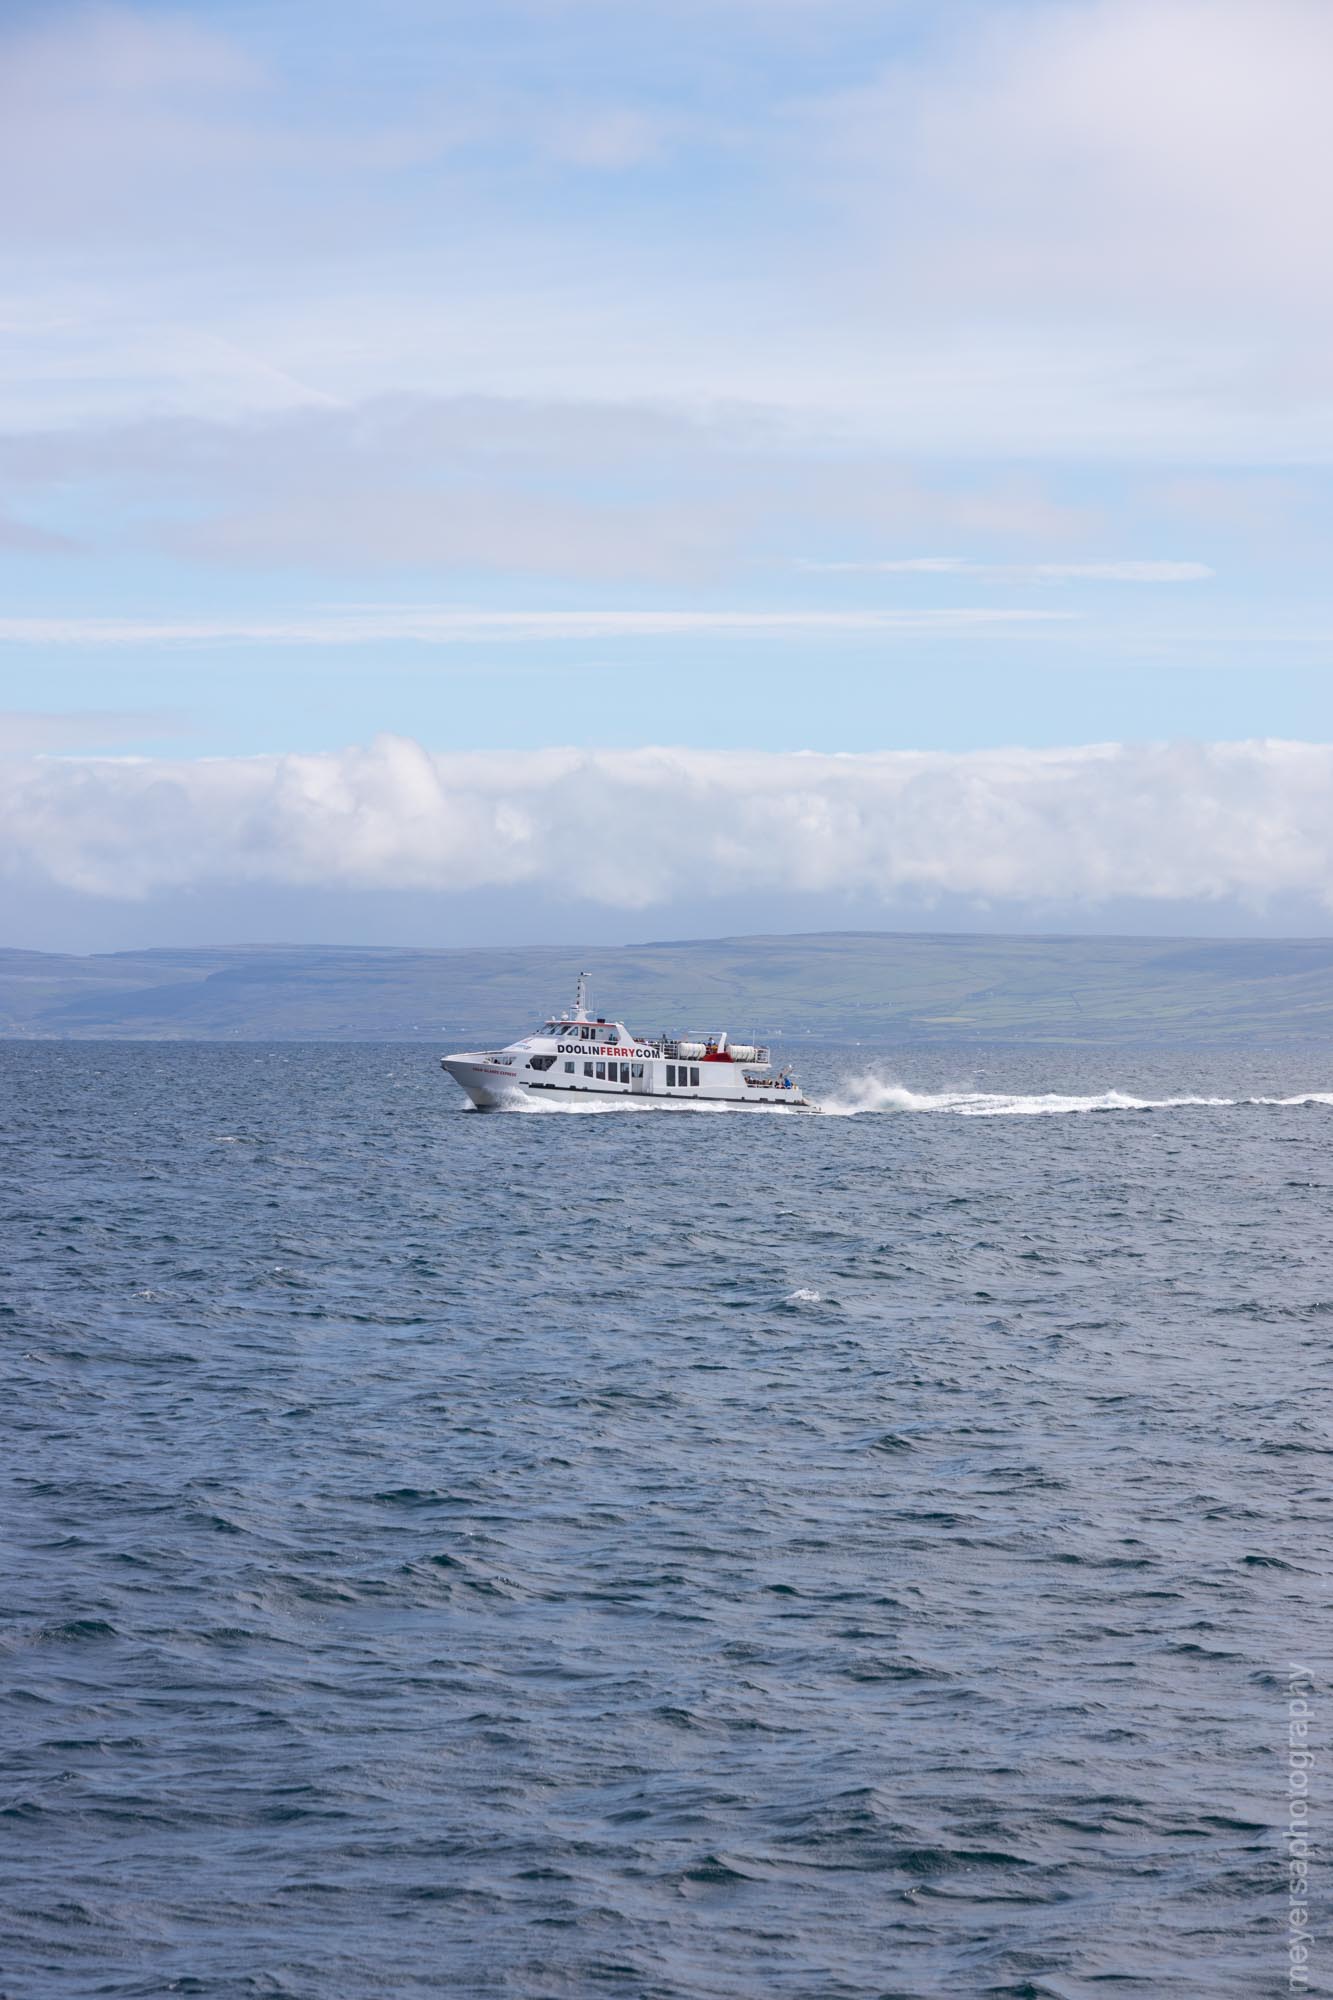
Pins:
x: 821, y: 987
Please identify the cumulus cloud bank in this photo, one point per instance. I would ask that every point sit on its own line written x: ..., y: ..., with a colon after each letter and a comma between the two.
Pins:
x: 631, y: 829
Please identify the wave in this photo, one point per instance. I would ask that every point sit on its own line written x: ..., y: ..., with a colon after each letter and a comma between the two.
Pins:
x: 869, y: 1093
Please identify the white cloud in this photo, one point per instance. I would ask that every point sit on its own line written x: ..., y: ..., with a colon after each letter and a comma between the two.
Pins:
x: 1118, y: 572
x: 1142, y: 151
x: 141, y: 124
x: 631, y: 829
x: 587, y: 490
x: 447, y: 625
x: 487, y: 528
x: 107, y: 112
x: 1106, y: 214
x: 1042, y: 229
x: 24, y: 730
x: 606, y: 137
x: 1040, y: 572
x: 16, y: 534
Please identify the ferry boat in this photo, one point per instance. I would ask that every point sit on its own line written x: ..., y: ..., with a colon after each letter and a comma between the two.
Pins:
x: 573, y: 1055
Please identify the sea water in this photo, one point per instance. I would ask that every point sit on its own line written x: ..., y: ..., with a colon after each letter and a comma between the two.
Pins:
x: 688, y: 1557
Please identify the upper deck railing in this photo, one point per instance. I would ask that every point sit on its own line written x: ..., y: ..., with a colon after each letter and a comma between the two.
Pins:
x: 698, y: 1048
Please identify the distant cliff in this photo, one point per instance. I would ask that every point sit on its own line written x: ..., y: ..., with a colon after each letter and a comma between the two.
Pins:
x: 831, y: 986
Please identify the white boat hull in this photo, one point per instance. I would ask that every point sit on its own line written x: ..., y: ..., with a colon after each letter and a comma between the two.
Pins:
x: 493, y: 1088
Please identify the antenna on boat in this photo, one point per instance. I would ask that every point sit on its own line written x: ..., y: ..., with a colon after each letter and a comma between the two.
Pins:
x: 581, y: 998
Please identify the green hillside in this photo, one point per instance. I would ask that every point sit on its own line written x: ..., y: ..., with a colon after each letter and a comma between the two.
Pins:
x: 834, y: 986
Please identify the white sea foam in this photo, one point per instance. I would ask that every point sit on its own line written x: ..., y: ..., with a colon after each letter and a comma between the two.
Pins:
x: 1308, y: 1097
x: 802, y: 1296
x: 859, y: 1095
x: 571, y: 1104
x: 871, y: 1093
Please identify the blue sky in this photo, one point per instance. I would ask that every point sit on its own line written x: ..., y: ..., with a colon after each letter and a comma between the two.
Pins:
x: 751, y: 377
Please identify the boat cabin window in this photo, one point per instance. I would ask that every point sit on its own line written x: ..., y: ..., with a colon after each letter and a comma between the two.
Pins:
x: 601, y: 1070
x: 587, y: 1069
x: 540, y: 1062
x: 671, y: 1076
x: 624, y: 1072
x: 694, y: 1078
x: 637, y: 1068
x: 569, y: 1069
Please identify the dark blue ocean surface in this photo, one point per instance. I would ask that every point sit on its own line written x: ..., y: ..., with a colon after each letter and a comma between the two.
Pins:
x: 678, y: 1557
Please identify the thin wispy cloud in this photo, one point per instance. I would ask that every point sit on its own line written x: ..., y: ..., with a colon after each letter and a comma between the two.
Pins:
x: 448, y: 626
x: 1033, y: 572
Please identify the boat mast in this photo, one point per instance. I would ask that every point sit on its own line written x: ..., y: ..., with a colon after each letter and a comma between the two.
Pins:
x: 581, y: 998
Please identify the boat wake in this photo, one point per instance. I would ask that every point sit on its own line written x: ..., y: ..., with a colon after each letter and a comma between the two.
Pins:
x: 873, y: 1094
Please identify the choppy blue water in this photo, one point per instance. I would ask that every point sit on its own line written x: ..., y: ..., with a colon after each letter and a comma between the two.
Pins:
x: 672, y: 1557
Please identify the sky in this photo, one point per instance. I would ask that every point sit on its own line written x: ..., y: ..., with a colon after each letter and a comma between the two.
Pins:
x: 558, y: 469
